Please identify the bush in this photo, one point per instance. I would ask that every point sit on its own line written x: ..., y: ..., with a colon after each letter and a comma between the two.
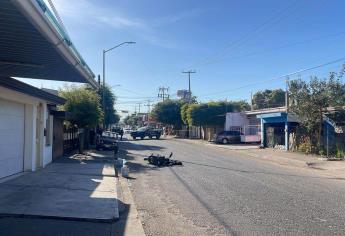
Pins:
x: 305, y: 146
x: 339, y: 152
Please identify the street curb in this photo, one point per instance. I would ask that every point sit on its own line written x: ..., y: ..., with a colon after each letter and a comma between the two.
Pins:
x: 66, y: 218
x: 117, y: 213
x: 135, y: 227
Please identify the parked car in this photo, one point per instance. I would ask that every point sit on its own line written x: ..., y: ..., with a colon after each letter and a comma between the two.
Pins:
x: 228, y: 137
x: 116, y: 130
x: 146, y: 132
x: 127, y: 130
x: 106, y: 141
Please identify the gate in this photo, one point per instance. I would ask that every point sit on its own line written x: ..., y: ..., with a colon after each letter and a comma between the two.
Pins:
x: 70, y: 140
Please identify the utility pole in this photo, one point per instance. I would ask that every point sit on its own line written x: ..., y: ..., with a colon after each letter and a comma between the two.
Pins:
x: 139, y: 104
x: 103, y: 88
x: 251, y: 101
x: 163, y: 92
x: 287, y: 142
x: 148, y: 106
x: 189, y: 89
x: 103, y: 67
x: 99, y: 80
x: 287, y: 94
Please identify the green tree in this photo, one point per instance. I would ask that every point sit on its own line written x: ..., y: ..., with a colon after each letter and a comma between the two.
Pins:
x: 131, y: 120
x: 241, y: 105
x: 212, y: 113
x: 310, y: 100
x: 269, y: 98
x: 110, y: 115
x: 83, y: 105
x: 184, y: 113
x: 168, y: 112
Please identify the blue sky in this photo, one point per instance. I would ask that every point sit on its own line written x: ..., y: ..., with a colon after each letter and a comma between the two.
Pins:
x: 229, y: 43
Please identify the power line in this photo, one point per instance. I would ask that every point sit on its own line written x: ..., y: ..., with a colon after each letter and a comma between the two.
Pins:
x: 133, y: 92
x: 264, y: 26
x: 277, y: 48
x: 275, y: 78
x: 126, y: 97
x: 148, y: 105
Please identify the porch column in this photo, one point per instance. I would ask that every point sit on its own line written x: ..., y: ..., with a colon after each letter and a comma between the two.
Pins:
x: 262, y: 132
x: 286, y: 136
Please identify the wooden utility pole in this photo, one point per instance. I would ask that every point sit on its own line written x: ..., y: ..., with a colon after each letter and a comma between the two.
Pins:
x: 189, y: 89
x: 251, y: 101
x: 287, y: 94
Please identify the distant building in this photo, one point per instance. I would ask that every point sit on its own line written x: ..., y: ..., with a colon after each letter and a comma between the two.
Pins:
x: 183, y: 94
x: 52, y: 91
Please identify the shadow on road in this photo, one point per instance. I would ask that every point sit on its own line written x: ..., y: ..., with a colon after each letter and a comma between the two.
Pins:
x: 261, y: 172
x: 40, y: 226
x: 88, y: 157
x: 139, y: 146
x: 126, y: 152
x: 205, y: 204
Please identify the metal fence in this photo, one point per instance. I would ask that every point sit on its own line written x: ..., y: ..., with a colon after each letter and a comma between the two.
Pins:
x: 331, y: 144
x: 251, y: 130
x: 70, y: 140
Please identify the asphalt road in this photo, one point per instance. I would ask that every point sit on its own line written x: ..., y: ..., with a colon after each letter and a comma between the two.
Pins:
x: 222, y: 192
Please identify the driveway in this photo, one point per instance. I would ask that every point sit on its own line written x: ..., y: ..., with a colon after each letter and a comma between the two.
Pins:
x: 77, y: 188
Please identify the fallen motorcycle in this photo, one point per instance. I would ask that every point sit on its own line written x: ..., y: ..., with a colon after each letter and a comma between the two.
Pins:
x: 158, y: 160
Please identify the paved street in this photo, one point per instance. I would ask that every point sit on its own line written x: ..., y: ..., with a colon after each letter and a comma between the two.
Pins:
x: 224, y: 192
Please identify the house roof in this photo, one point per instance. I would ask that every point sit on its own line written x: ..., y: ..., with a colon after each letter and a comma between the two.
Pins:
x: 266, y: 110
x: 21, y: 87
x: 34, y: 45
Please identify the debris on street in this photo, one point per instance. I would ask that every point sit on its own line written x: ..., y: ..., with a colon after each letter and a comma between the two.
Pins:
x: 158, y: 160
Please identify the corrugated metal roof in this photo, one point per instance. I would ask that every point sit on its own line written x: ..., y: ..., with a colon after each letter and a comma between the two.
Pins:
x: 25, y: 52
x: 266, y: 110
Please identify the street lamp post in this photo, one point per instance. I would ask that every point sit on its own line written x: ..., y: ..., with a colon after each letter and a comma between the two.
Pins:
x: 103, y: 92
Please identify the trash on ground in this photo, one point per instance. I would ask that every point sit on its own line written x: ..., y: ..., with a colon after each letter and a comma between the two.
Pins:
x: 125, y: 171
x: 159, y: 160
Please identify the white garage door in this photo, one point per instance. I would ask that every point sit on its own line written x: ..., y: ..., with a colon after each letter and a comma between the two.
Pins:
x: 11, y: 138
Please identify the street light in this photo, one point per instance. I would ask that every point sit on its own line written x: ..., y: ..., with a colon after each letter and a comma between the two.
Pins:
x: 116, y: 85
x: 104, y: 52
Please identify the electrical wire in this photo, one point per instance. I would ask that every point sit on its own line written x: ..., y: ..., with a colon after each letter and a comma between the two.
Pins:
x: 277, y: 48
x: 276, y: 78
x: 240, y: 42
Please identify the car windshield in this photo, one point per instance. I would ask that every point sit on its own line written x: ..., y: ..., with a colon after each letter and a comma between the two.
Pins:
x: 142, y: 129
x: 109, y: 134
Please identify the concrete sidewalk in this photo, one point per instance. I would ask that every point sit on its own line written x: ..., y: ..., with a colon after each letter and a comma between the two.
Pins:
x: 79, y: 188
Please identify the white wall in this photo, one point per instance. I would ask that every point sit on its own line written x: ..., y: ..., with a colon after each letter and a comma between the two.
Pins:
x: 31, y: 112
x: 235, y: 119
x: 48, y: 149
x: 29, y: 132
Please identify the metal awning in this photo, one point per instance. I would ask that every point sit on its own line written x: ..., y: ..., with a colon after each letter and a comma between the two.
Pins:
x: 33, y: 45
